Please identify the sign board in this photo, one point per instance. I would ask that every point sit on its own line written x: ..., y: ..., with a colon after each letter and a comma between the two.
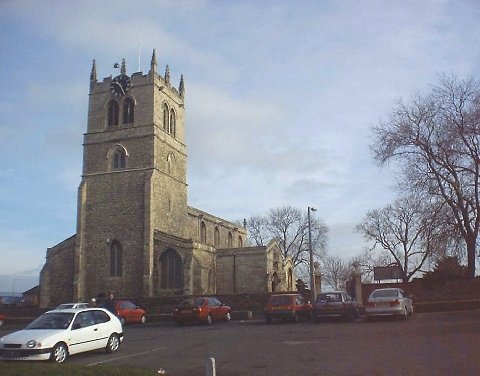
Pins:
x: 381, y: 273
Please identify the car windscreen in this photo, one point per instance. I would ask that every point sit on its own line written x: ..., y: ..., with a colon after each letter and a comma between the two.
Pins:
x: 322, y: 298
x: 385, y: 294
x: 52, y: 320
x: 191, y: 303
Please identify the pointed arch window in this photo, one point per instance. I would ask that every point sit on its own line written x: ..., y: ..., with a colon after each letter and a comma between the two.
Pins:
x: 113, y: 111
x: 203, y: 232
x: 128, y: 111
x: 119, y: 160
x: 116, y: 259
x: 240, y: 242
x: 230, y: 240
x: 172, y: 124
x: 165, y: 117
x: 171, y: 270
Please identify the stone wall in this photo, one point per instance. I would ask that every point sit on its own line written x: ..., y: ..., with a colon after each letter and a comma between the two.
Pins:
x: 56, y: 277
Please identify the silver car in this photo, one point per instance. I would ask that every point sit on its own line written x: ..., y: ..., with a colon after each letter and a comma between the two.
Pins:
x: 389, y: 302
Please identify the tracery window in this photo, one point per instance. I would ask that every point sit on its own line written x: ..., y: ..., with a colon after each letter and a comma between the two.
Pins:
x: 116, y: 259
x: 171, y: 270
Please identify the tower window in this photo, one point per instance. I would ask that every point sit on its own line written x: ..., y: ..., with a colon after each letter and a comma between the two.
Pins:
x: 171, y: 128
x: 116, y: 259
x: 240, y: 242
x: 119, y: 159
x: 128, y: 111
x: 230, y: 240
x: 165, y: 117
x: 171, y: 270
x: 113, y: 110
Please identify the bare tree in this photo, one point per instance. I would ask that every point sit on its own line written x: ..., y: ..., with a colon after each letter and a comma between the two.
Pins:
x: 436, y: 140
x: 407, y: 232
x: 289, y: 226
x: 336, y: 272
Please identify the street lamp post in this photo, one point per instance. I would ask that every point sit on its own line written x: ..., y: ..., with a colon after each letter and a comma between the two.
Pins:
x: 312, y: 268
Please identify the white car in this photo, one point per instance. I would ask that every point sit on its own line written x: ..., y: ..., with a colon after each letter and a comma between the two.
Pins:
x: 73, y: 305
x: 389, y: 302
x: 59, y: 333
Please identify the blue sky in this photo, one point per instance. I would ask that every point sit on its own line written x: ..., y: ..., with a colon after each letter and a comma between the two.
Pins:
x: 280, y: 96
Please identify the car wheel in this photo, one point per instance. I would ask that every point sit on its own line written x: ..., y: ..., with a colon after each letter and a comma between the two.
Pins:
x: 209, y: 320
x: 405, y: 314
x: 228, y: 317
x: 59, y: 353
x: 180, y: 323
x: 268, y: 319
x: 143, y: 320
x: 113, y: 343
x: 411, y: 310
x: 1, y: 322
x: 122, y: 320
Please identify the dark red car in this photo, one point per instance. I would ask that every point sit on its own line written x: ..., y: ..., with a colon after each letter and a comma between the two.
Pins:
x: 2, y: 318
x: 289, y: 307
x: 202, y: 310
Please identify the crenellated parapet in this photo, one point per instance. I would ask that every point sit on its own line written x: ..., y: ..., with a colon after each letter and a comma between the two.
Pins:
x: 139, y: 79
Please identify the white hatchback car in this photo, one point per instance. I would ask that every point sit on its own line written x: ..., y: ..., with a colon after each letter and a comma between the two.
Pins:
x: 389, y: 302
x: 59, y: 333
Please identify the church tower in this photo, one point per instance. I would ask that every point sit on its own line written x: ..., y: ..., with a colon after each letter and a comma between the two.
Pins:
x: 133, y: 180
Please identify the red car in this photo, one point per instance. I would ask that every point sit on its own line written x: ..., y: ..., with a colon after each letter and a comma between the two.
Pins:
x: 202, y: 310
x: 290, y: 307
x: 126, y: 311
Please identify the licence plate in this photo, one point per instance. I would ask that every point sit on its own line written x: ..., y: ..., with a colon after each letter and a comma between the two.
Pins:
x: 11, y: 354
x: 381, y: 304
x: 186, y: 311
x: 280, y: 308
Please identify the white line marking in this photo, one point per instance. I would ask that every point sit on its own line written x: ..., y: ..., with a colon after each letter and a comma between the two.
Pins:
x: 127, y: 356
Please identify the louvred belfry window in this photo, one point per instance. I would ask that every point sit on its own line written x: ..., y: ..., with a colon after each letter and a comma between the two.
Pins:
x: 128, y: 111
x: 113, y: 114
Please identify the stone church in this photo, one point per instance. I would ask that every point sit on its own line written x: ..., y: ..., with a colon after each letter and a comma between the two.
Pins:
x: 136, y: 235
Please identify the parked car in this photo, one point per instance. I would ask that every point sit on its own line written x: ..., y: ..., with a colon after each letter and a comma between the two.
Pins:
x: 126, y: 311
x: 2, y: 318
x: 202, y: 310
x: 57, y: 334
x: 72, y: 305
x: 335, y: 304
x: 389, y: 302
x: 290, y: 307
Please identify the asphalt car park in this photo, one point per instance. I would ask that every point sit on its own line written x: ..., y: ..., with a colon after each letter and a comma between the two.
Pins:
x: 426, y: 344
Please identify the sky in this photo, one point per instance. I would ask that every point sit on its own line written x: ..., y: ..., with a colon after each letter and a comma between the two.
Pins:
x: 280, y: 100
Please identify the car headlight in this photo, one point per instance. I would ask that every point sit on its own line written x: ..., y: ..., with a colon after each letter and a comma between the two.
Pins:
x: 31, y: 344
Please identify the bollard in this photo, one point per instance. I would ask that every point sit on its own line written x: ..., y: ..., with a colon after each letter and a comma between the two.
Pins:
x: 210, y: 367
